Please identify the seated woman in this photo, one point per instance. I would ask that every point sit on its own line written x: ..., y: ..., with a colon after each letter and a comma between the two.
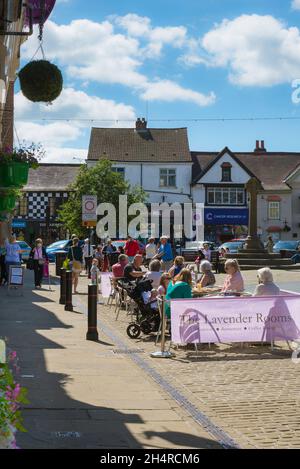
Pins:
x: 180, y: 287
x: 266, y: 286
x: 177, y: 267
x: 207, y: 279
x: 234, y: 281
x: 154, y: 273
x: 163, y: 284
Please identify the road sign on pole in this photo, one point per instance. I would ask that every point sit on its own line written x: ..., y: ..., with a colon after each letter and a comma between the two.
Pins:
x: 89, y: 210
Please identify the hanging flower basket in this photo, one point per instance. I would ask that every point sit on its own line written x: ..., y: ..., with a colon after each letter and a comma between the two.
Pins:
x: 14, y: 174
x: 7, y: 203
x: 41, y: 81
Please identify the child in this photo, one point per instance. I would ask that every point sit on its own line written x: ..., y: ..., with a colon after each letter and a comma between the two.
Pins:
x: 95, y: 272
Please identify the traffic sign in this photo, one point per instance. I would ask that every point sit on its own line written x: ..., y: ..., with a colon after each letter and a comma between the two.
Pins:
x: 89, y: 209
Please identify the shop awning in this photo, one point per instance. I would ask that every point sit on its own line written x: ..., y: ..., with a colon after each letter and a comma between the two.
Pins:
x: 274, y: 229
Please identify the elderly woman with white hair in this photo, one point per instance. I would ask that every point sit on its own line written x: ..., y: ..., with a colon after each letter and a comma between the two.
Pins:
x: 266, y: 286
x: 207, y: 279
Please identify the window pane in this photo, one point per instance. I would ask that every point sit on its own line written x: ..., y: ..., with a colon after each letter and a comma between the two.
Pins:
x: 218, y: 196
x: 240, y: 196
x: 226, y: 174
x: 172, y: 181
x: 211, y: 196
x: 225, y: 196
x: 233, y: 196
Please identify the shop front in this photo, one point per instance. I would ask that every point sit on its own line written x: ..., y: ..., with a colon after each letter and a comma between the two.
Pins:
x: 224, y: 224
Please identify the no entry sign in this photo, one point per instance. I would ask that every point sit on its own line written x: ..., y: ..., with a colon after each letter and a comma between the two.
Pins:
x: 89, y: 209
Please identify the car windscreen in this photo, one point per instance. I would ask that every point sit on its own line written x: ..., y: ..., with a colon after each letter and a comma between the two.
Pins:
x: 58, y: 245
x: 286, y: 245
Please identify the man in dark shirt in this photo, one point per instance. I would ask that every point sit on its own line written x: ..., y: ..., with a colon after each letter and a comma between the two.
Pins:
x: 133, y: 271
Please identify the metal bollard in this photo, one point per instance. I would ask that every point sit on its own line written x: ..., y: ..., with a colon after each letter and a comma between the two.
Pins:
x: 68, y: 305
x: 92, y: 333
x: 62, y: 299
x: 163, y: 353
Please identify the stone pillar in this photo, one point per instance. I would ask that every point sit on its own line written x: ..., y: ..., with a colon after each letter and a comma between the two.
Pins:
x: 253, y: 242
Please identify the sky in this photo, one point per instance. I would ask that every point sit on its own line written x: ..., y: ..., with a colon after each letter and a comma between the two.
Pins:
x: 178, y: 63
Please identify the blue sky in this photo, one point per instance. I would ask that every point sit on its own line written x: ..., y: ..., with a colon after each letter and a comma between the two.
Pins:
x: 169, y: 59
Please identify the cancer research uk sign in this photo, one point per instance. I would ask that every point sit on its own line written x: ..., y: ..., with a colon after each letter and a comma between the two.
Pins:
x: 252, y: 319
x: 89, y: 209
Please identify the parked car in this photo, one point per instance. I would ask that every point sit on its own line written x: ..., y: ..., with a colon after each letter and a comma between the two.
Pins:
x: 62, y: 245
x: 25, y: 250
x: 233, y: 246
x: 190, y: 252
x: 286, y: 248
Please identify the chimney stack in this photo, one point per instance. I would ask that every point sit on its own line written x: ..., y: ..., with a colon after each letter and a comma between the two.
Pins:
x: 141, y: 124
x: 260, y: 147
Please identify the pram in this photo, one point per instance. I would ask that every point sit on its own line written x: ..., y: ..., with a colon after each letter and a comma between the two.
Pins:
x: 147, y: 319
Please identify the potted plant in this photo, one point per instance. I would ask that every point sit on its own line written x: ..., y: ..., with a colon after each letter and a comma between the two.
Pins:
x: 15, y: 164
x: 41, y: 81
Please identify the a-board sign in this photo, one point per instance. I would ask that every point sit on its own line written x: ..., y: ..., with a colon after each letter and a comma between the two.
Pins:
x: 16, y: 275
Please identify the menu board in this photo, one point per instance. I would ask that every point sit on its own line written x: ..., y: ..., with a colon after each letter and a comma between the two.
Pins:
x: 16, y: 275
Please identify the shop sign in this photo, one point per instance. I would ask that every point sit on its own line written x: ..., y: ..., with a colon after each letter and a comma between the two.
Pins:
x: 226, y: 216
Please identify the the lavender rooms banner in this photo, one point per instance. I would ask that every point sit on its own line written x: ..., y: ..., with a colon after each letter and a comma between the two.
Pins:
x: 235, y: 319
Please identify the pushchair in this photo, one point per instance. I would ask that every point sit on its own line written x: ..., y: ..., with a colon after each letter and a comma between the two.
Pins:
x: 147, y: 319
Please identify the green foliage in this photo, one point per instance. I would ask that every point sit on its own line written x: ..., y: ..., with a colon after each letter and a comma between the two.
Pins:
x: 24, y: 154
x: 41, y: 81
x: 101, y: 181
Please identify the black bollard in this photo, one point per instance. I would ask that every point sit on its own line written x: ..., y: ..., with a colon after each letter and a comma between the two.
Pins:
x: 62, y: 299
x: 92, y: 333
x: 68, y: 305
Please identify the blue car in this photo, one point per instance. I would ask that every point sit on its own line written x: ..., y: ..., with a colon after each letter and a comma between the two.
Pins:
x: 62, y: 245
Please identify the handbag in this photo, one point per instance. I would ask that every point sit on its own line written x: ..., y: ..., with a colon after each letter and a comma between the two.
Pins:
x: 76, y: 265
x: 30, y: 263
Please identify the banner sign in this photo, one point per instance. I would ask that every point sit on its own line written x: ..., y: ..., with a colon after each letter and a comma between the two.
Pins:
x: 18, y: 224
x: 37, y: 11
x: 105, y: 284
x: 226, y: 216
x: 252, y: 319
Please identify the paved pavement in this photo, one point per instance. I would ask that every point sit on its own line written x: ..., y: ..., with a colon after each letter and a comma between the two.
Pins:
x: 113, y: 394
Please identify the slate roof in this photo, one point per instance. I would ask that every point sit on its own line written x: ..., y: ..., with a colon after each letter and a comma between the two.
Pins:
x: 271, y: 168
x: 147, y: 145
x: 51, y: 177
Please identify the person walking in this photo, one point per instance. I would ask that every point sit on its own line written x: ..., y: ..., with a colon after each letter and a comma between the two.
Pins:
x: 75, y: 256
x: 39, y: 256
x: 151, y: 250
x: 131, y: 248
x: 270, y: 244
x: 12, y: 256
x: 3, y: 275
x: 87, y: 254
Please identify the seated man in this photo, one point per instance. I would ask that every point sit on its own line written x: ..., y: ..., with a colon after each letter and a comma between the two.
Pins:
x: 118, y: 269
x: 133, y: 271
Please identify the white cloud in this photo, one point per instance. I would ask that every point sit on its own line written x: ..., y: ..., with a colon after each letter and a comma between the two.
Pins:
x: 70, y: 104
x: 95, y: 52
x: 296, y: 4
x: 65, y: 155
x: 258, y: 50
x: 166, y: 90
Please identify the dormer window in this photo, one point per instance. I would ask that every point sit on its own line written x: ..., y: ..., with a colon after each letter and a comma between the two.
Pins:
x: 226, y: 172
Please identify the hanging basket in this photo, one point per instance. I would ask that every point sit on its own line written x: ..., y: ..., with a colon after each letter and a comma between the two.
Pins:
x: 13, y: 174
x: 41, y: 81
x: 7, y: 203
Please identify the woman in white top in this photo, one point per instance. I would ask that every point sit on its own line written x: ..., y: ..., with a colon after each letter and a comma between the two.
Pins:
x: 154, y: 273
x: 206, y: 252
x: 12, y: 256
x: 151, y: 249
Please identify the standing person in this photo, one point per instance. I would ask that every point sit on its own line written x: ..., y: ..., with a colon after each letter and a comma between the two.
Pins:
x: 270, y: 244
x: 87, y: 254
x: 206, y: 252
x: 95, y: 272
x: 75, y: 256
x: 3, y: 275
x: 131, y: 248
x: 39, y: 256
x: 12, y: 256
x: 108, y: 249
x: 165, y: 253
x: 98, y: 254
x: 151, y: 250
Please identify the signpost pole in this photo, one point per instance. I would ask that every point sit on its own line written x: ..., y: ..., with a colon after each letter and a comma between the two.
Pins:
x: 162, y: 353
